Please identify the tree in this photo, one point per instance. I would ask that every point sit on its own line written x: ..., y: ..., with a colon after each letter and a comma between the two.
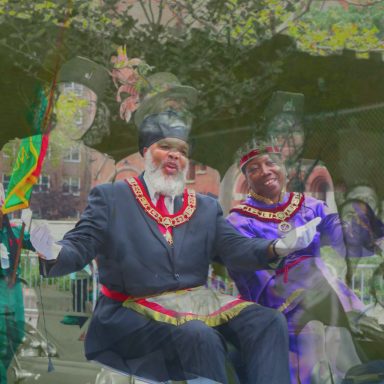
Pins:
x: 233, y: 51
x: 54, y: 205
x: 325, y: 30
x: 38, y: 36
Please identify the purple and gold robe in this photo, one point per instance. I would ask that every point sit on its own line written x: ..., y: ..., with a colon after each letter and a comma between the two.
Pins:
x: 302, y: 287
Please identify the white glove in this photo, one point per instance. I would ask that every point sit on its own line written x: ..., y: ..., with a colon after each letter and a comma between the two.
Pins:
x: 43, y: 242
x: 26, y: 217
x: 298, y: 238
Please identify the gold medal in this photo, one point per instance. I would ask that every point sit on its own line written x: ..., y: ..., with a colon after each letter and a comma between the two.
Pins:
x: 284, y: 226
x: 168, y: 237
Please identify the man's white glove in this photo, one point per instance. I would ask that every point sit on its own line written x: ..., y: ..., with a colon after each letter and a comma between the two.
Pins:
x: 42, y: 240
x: 298, y: 238
x: 26, y: 217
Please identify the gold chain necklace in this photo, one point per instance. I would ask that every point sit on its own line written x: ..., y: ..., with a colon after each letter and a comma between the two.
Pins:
x: 265, y: 200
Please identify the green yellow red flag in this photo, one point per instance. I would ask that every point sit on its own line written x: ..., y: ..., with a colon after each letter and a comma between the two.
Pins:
x: 26, y: 172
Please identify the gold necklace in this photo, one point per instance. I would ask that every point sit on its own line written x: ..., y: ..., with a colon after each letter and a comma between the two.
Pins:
x: 265, y: 200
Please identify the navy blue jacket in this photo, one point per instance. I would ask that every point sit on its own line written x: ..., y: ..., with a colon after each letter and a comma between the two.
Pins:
x: 134, y: 258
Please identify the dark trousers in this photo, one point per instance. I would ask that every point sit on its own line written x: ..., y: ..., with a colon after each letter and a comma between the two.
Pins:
x: 195, y: 350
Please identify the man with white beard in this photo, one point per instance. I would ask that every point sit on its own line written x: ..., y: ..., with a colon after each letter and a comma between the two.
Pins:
x: 153, y: 241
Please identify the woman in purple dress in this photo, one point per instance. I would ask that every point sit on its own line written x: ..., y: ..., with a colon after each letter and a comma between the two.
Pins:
x: 301, y: 286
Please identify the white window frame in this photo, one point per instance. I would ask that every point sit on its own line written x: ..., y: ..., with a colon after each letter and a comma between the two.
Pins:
x: 37, y: 188
x: 69, y: 181
x: 69, y: 157
x: 4, y: 182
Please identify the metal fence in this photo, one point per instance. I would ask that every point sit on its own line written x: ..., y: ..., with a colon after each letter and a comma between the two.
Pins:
x: 361, y: 283
x: 79, y: 293
x: 75, y: 293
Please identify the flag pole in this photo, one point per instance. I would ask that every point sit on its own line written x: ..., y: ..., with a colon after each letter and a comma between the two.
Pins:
x: 12, y: 280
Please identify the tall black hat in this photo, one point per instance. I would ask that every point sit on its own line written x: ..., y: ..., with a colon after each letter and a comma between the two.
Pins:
x: 164, y: 110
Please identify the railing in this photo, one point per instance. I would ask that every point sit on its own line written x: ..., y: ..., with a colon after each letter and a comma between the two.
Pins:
x: 58, y: 293
x: 361, y: 280
x: 80, y: 295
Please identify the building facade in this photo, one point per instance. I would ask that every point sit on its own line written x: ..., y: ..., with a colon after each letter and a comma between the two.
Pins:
x: 62, y: 189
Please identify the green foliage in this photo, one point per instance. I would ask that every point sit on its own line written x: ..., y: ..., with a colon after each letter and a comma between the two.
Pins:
x: 202, y: 42
x: 323, y: 31
x: 243, y: 22
x: 209, y: 44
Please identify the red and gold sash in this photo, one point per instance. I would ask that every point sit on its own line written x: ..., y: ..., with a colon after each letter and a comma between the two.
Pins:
x: 179, y: 218
x: 277, y: 214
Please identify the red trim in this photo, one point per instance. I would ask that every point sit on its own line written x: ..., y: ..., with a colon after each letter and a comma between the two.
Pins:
x: 115, y: 295
x: 185, y: 198
x: 158, y: 308
x: 121, y: 297
x: 256, y: 152
x: 278, y: 208
x: 43, y: 151
x: 284, y: 270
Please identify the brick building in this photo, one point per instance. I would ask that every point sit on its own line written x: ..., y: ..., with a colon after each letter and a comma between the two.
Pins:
x: 63, y: 185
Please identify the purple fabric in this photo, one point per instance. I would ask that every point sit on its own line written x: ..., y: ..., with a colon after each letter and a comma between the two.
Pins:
x: 307, y: 291
x: 308, y: 276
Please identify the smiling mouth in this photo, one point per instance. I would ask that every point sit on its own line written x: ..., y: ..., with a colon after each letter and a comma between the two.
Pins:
x: 270, y: 181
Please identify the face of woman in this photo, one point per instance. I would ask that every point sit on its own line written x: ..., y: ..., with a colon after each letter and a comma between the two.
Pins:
x: 356, y: 224
x: 366, y: 194
x: 266, y: 176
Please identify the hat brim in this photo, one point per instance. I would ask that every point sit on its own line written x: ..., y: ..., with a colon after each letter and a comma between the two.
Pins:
x: 153, y: 104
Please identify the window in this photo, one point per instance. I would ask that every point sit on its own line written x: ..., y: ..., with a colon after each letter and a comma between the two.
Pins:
x: 42, y: 185
x: 81, y: 92
x: 5, y: 181
x: 71, y: 186
x: 77, y: 89
x: 73, y: 155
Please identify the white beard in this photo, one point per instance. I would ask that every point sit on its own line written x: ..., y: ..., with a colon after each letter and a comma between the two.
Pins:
x: 171, y: 185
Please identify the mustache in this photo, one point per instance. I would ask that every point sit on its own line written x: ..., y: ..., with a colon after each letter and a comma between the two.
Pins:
x: 169, y: 185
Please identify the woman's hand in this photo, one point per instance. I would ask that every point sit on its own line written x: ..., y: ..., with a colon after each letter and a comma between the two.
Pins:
x: 298, y: 238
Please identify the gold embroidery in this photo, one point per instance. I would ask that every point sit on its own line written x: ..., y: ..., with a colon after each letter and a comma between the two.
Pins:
x: 293, y: 296
x: 263, y: 199
x: 165, y: 221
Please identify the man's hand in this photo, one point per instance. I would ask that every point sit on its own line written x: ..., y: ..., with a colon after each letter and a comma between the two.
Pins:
x: 298, y: 238
x: 42, y: 241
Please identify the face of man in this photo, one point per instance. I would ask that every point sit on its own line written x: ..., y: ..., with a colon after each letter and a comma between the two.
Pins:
x: 366, y: 194
x: 290, y: 144
x: 288, y: 134
x: 166, y: 165
x: 75, y: 109
x: 266, y: 176
x: 170, y: 155
x: 356, y: 224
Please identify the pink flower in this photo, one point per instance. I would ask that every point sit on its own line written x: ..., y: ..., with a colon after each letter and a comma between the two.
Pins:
x: 129, y: 105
